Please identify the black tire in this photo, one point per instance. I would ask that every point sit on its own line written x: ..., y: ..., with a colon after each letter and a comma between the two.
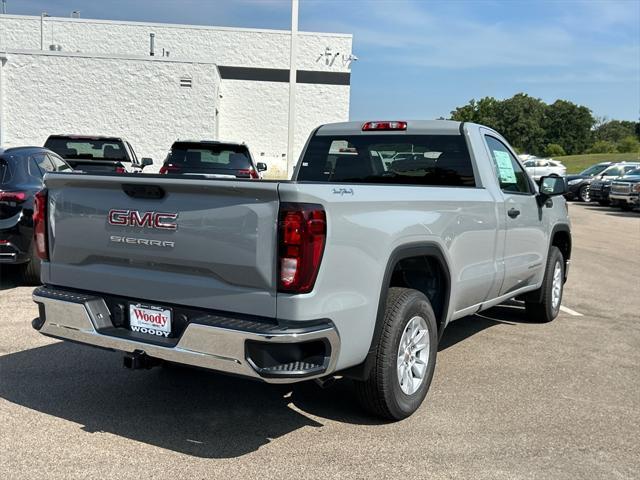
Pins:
x: 544, y: 311
x: 583, y: 193
x: 625, y: 207
x: 30, y: 271
x: 381, y: 394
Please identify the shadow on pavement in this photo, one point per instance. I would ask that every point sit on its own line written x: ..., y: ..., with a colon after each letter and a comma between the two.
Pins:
x: 190, y: 411
x: 8, y: 277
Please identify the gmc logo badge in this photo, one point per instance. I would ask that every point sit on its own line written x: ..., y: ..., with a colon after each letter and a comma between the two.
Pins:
x: 133, y: 218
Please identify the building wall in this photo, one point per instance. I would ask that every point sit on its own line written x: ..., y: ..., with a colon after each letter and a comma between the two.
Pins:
x: 139, y: 99
x: 254, y: 111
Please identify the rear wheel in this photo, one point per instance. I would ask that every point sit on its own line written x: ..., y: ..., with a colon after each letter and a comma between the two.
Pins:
x: 550, y: 292
x: 30, y: 271
x: 583, y: 193
x: 405, y: 357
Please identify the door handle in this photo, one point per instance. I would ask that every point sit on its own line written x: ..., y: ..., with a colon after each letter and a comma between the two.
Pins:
x: 513, y: 212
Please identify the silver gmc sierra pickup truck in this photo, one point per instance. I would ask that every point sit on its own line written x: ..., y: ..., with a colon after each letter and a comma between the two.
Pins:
x: 387, y: 232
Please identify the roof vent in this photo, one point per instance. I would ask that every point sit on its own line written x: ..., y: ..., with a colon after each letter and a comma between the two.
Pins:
x: 186, y: 82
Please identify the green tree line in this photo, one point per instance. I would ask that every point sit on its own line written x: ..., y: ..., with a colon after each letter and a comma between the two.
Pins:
x: 560, y: 128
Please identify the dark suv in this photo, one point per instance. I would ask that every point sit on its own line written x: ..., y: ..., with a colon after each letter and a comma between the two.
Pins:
x: 97, y: 154
x: 21, y: 172
x: 212, y: 159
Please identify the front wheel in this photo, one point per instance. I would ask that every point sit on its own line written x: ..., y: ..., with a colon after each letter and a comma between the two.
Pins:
x: 583, y: 193
x: 405, y: 357
x: 550, y: 293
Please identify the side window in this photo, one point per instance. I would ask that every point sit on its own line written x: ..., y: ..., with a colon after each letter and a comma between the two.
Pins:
x: 512, y: 177
x: 34, y: 169
x: 43, y: 162
x: 59, y: 164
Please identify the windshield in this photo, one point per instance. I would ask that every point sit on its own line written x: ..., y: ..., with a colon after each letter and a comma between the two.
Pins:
x: 594, y: 170
x: 618, y: 170
x: 395, y: 159
x: 104, y: 149
x: 198, y: 156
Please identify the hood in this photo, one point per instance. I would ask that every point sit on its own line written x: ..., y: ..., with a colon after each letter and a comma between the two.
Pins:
x: 629, y: 179
x: 578, y: 177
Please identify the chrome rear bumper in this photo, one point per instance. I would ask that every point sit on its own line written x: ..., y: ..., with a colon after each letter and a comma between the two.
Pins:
x: 84, y: 318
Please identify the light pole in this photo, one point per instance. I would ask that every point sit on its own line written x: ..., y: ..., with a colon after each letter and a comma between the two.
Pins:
x: 42, y: 15
x: 4, y: 6
x: 292, y: 87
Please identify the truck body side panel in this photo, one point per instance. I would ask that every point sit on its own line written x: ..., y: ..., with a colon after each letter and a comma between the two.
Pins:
x: 365, y: 226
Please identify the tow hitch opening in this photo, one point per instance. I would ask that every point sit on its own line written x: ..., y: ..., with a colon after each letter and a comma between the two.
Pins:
x: 139, y: 360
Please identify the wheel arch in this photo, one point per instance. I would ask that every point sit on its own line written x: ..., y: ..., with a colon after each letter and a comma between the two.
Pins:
x: 561, y: 237
x: 432, y: 254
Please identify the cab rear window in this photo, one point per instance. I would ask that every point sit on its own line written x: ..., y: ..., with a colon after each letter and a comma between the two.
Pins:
x: 431, y: 160
x: 219, y: 157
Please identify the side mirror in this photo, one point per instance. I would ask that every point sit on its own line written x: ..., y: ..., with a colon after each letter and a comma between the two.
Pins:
x: 261, y: 166
x: 145, y: 162
x: 551, y: 187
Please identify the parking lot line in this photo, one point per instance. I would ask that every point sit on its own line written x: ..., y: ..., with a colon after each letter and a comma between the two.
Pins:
x: 570, y: 312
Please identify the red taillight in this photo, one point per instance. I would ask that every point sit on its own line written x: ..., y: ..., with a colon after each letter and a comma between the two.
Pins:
x: 247, y: 172
x: 302, y: 234
x: 120, y: 170
x: 13, y: 197
x: 40, y: 224
x: 169, y: 168
x: 386, y: 125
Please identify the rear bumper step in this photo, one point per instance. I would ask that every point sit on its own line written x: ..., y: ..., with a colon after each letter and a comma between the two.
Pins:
x: 275, y: 354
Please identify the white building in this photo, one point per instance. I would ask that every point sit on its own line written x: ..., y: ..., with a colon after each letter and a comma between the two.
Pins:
x: 202, y: 83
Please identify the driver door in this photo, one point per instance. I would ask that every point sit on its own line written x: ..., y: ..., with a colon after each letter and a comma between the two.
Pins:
x: 525, y: 243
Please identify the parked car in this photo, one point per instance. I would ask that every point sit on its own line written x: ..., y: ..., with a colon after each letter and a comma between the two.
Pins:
x: 625, y: 191
x: 578, y: 185
x: 97, y: 154
x: 601, y: 185
x: 212, y: 159
x: 541, y: 167
x: 352, y: 268
x: 21, y: 172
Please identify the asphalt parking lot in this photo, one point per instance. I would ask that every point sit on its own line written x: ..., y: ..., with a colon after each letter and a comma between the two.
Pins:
x: 510, y: 399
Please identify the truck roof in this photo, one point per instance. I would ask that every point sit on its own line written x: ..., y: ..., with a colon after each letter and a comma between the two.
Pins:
x: 87, y: 137
x: 210, y: 142
x: 414, y: 127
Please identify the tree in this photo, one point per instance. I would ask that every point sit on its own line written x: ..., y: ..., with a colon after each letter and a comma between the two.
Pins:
x: 522, y: 120
x: 615, y: 130
x: 518, y: 119
x: 629, y: 144
x: 569, y: 125
x: 554, y: 150
x: 602, y: 146
x: 485, y: 111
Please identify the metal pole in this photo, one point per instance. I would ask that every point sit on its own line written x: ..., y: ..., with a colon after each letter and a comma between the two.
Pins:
x: 4, y: 7
x: 292, y: 88
x: 152, y: 44
x: 3, y: 60
x: 42, y: 15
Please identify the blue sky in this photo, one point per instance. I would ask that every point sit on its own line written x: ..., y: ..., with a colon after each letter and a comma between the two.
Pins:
x: 421, y: 58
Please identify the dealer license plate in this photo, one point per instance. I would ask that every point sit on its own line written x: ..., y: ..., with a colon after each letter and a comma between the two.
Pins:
x: 150, y: 319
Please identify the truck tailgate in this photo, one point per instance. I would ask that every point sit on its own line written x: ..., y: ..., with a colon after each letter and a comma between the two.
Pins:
x: 221, y: 254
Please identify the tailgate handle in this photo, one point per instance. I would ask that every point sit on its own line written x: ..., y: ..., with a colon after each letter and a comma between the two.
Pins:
x: 143, y: 191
